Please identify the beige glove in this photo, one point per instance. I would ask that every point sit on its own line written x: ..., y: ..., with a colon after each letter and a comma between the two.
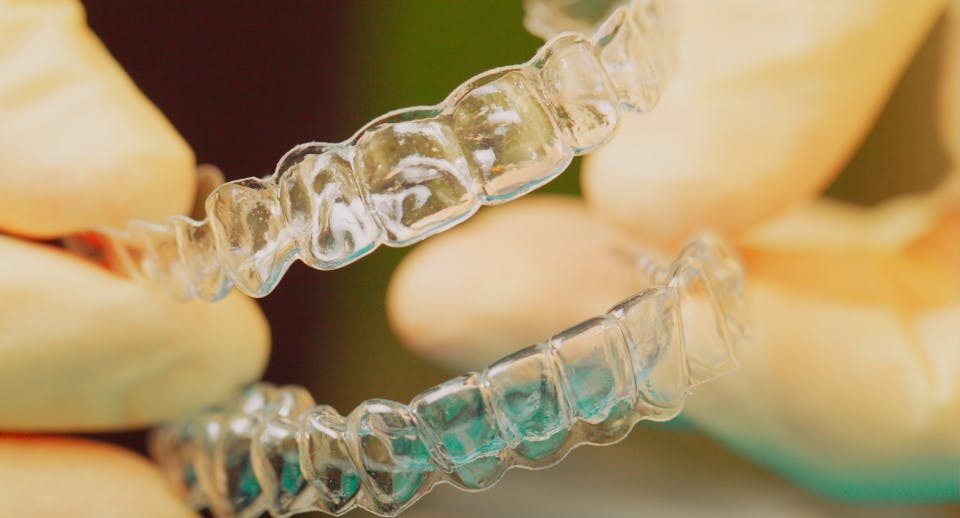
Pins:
x: 851, y: 384
x: 80, y: 348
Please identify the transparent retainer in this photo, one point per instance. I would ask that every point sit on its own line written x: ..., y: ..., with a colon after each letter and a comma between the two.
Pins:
x: 413, y: 172
x: 274, y: 450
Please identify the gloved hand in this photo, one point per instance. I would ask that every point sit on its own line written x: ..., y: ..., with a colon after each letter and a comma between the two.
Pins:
x: 851, y: 383
x: 82, y: 349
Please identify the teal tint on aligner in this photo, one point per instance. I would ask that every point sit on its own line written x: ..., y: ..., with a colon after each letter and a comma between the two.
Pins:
x: 539, y: 449
x: 404, y: 484
x: 291, y: 479
x: 413, y: 464
x: 595, y: 363
x: 592, y: 384
x: 652, y: 323
x: 275, y: 455
x: 244, y: 489
x: 481, y: 472
x: 391, y: 451
x: 349, y: 485
x: 326, y: 461
x: 457, y: 417
x: 455, y: 413
x: 525, y: 388
x: 189, y: 477
x: 412, y: 450
x: 620, y: 420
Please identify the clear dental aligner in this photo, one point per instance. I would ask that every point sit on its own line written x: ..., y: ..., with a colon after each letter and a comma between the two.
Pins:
x: 415, y: 172
x: 274, y: 450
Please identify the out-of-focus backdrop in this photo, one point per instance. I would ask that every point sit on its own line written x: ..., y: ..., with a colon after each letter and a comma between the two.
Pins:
x: 245, y: 81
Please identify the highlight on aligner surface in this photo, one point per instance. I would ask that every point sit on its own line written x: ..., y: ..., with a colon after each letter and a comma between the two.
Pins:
x: 274, y: 450
x: 414, y: 172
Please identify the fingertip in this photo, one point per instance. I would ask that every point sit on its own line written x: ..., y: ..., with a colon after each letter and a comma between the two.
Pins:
x: 81, y: 145
x: 84, y: 350
x: 511, y: 277
x: 59, y: 476
x: 771, y: 102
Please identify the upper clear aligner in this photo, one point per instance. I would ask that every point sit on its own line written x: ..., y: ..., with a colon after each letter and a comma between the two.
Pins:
x: 273, y: 450
x: 414, y: 172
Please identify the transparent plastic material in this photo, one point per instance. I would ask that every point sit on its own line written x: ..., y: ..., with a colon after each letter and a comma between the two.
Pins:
x: 584, y: 101
x: 546, y: 18
x: 590, y: 384
x: 415, y: 172
x: 253, y: 242
x: 415, y: 177
x: 322, y: 202
x: 512, y: 142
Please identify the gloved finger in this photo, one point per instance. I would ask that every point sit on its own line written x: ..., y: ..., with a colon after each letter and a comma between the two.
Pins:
x: 859, y: 344
x: 59, y: 476
x: 882, y: 318
x: 79, y: 144
x: 84, y: 349
x: 511, y: 277
x: 772, y: 99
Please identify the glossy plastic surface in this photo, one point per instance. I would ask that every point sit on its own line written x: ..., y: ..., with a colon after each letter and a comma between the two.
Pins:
x: 588, y: 384
x: 415, y: 172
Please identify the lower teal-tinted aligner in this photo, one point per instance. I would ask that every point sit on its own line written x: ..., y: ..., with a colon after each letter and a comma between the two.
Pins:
x: 533, y: 409
x: 248, y: 486
x: 406, y: 484
x: 593, y: 387
x: 535, y: 450
x: 291, y: 478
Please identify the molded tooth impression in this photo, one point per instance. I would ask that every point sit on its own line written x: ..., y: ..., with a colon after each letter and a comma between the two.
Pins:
x: 709, y: 351
x: 527, y: 390
x: 392, y: 455
x: 275, y: 454
x: 590, y: 384
x: 596, y: 368
x: 508, y: 134
x: 173, y: 447
x: 195, y: 244
x: 160, y: 261
x: 252, y: 241
x: 725, y: 274
x: 238, y: 491
x: 582, y: 97
x: 651, y: 323
x: 630, y: 57
x: 415, y: 172
x: 415, y: 177
x: 323, y: 204
x: 461, y: 424
x: 326, y: 461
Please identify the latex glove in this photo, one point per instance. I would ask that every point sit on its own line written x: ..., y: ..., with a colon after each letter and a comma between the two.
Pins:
x: 851, y: 385
x: 82, y: 349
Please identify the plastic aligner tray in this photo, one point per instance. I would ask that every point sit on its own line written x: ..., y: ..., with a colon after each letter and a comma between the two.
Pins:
x: 273, y: 450
x: 413, y: 172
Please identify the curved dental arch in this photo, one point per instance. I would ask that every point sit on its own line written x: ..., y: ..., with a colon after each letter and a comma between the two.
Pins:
x: 273, y: 450
x: 401, y: 178
x: 414, y: 172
